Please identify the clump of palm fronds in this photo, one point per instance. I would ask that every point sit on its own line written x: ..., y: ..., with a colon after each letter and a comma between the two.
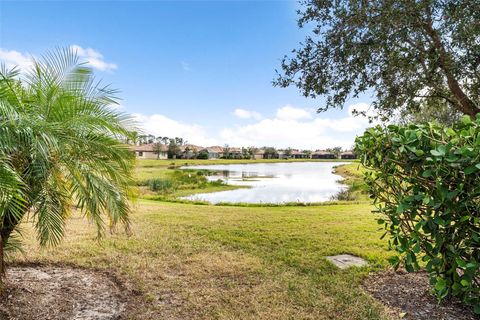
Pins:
x: 60, y: 144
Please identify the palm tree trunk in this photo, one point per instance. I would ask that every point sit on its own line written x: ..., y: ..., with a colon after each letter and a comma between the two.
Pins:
x: 2, y: 264
x: 5, y: 233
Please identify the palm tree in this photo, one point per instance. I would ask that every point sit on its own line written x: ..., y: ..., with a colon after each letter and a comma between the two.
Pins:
x: 186, y: 151
x: 288, y: 152
x: 60, y: 147
x: 157, y: 149
x: 252, y: 151
x: 143, y: 139
x: 226, y: 152
x: 307, y: 153
x: 11, y: 200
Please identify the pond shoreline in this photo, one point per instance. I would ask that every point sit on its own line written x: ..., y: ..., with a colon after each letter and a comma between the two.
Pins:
x: 299, y: 183
x: 162, y: 169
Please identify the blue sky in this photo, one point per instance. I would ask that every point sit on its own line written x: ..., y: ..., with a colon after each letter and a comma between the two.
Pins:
x: 198, y: 69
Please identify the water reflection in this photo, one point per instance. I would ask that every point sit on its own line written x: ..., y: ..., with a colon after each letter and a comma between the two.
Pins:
x: 274, y: 182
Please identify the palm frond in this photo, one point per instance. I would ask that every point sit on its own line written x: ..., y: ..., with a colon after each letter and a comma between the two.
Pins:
x: 60, y: 143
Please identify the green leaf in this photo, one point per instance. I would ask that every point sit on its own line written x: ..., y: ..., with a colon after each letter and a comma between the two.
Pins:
x: 394, y: 261
x: 475, y: 236
x: 427, y: 173
x: 476, y: 308
x: 419, y: 153
x: 460, y: 263
x: 400, y: 208
x: 452, y: 194
x: 470, y: 170
x: 465, y: 283
x: 440, y: 284
x: 466, y: 120
x: 439, y: 221
x: 416, y: 248
x: 439, y: 152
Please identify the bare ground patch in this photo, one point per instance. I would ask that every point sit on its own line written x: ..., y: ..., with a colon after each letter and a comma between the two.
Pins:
x: 60, y: 292
x: 409, y: 293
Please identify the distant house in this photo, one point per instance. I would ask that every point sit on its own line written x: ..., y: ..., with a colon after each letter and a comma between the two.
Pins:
x: 235, y: 153
x: 319, y: 154
x: 259, y: 154
x: 281, y: 154
x: 348, y: 155
x: 296, y: 154
x: 147, y: 151
x: 214, y: 152
x: 190, y: 151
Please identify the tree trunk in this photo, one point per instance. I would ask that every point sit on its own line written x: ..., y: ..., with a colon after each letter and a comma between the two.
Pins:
x: 5, y: 233
x: 464, y: 104
x: 2, y: 264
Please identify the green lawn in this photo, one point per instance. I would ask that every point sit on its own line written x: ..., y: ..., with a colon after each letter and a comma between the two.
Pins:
x: 218, y: 262
x: 189, y: 261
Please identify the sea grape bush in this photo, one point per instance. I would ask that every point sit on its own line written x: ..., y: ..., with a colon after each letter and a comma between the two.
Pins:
x: 425, y: 182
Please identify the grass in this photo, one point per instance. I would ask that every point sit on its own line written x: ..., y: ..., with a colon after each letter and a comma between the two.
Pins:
x: 352, y: 175
x: 189, y: 261
x: 175, y: 195
x: 170, y: 184
x: 218, y: 262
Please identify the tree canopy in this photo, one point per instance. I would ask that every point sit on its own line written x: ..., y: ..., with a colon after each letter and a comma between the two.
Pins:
x: 430, y: 111
x: 405, y: 52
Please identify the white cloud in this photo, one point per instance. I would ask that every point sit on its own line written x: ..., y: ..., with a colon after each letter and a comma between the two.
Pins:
x: 185, y: 66
x: 296, y: 127
x: 291, y: 127
x: 284, y: 133
x: 291, y: 113
x: 93, y: 58
x: 12, y: 58
x: 160, y: 125
x: 246, y: 114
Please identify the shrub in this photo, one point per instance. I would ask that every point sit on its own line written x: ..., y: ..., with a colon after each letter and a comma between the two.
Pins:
x: 424, y: 180
x: 160, y: 185
x: 344, y: 195
x: 202, y: 155
x: 188, y: 177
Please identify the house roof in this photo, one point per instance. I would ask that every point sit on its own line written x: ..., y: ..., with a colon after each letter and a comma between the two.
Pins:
x: 214, y: 149
x: 321, y: 152
x: 297, y: 152
x: 149, y: 147
x: 348, y: 153
x: 192, y: 147
x: 260, y: 151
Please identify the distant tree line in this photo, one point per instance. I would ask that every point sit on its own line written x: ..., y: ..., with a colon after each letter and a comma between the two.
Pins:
x: 178, y: 148
x: 173, y: 145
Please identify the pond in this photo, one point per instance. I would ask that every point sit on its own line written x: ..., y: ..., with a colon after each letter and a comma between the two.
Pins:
x: 304, y: 182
